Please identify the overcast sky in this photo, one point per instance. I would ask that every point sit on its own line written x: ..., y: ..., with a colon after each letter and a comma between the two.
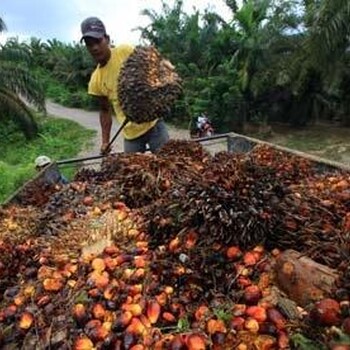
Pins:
x: 60, y: 19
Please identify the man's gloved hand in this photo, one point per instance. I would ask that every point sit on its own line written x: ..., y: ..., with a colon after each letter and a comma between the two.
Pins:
x: 105, y: 148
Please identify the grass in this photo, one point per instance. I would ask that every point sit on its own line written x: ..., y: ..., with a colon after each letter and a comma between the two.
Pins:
x: 58, y: 139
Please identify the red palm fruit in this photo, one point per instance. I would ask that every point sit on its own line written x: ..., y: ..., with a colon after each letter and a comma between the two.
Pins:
x: 83, y: 343
x: 276, y: 318
x: 98, y: 264
x: 257, y: 312
x: 237, y: 323
x: 233, y: 253
x: 195, y: 342
x: 346, y: 325
x: 111, y: 250
x: 99, y: 333
x: 94, y: 293
x: 252, y: 294
x: 10, y: 311
x: 326, y: 312
x: 169, y: 317
x: 139, y: 273
x: 153, y: 311
x: 249, y: 259
x: 283, y: 340
x: 111, y: 263
x: 43, y: 300
x: 140, y: 261
x: 243, y: 281
x: 177, y: 343
x: 191, y: 239
x: 26, y: 320
x: 201, y: 312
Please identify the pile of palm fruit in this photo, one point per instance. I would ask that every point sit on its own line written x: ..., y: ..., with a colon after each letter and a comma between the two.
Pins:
x: 176, y: 250
x: 148, y: 85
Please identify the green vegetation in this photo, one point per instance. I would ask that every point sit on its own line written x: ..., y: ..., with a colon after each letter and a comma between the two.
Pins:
x: 58, y: 139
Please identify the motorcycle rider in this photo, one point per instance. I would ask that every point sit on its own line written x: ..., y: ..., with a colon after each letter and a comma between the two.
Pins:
x: 204, y: 125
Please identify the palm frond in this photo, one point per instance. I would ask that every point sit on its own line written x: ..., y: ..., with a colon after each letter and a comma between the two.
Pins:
x: 2, y: 25
x: 13, y: 107
x: 18, y: 80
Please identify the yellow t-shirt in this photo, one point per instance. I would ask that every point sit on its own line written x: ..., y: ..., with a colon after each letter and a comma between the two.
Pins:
x: 103, y: 82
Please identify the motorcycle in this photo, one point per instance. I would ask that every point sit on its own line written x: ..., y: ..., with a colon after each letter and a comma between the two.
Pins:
x: 206, y: 130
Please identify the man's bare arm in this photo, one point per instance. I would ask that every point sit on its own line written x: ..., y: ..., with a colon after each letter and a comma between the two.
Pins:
x: 106, y: 123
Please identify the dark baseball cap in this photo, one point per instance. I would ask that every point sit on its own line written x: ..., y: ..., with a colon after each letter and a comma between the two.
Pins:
x: 92, y: 27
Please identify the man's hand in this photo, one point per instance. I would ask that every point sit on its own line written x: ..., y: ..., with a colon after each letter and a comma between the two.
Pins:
x: 105, y: 148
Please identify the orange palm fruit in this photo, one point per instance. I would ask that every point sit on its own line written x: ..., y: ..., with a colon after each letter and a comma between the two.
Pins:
x: 214, y: 326
x: 195, y: 342
x: 19, y: 300
x: 29, y: 291
x: 83, y: 343
x: 146, y: 322
x: 138, y: 347
x: 169, y: 317
x: 110, y: 292
x: 251, y: 325
x: 135, y: 289
x: 174, y: 244
x: 123, y: 320
x: 153, y: 311
x: 249, y: 259
x: 135, y: 309
x: 101, y: 280
x: 139, y: 261
x: 257, y: 312
x: 45, y: 272
x: 133, y: 232
x: 139, y: 273
x: 94, y: 293
x: 234, y: 253
x: 98, y: 264
x: 161, y: 298
x: 201, y: 312
x: 136, y: 327
x: 79, y: 312
x: 169, y: 290
x: 26, y: 320
x: 52, y: 284
x: 98, y: 311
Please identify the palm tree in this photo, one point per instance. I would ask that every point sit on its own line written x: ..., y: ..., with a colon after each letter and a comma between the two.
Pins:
x: 18, y: 84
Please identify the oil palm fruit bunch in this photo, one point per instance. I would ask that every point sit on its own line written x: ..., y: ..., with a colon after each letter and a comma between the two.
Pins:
x: 148, y: 85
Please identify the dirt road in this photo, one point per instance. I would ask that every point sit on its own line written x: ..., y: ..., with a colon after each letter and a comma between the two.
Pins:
x: 90, y: 120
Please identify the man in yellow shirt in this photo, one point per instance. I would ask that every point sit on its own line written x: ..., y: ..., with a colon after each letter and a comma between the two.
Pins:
x: 103, y: 84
